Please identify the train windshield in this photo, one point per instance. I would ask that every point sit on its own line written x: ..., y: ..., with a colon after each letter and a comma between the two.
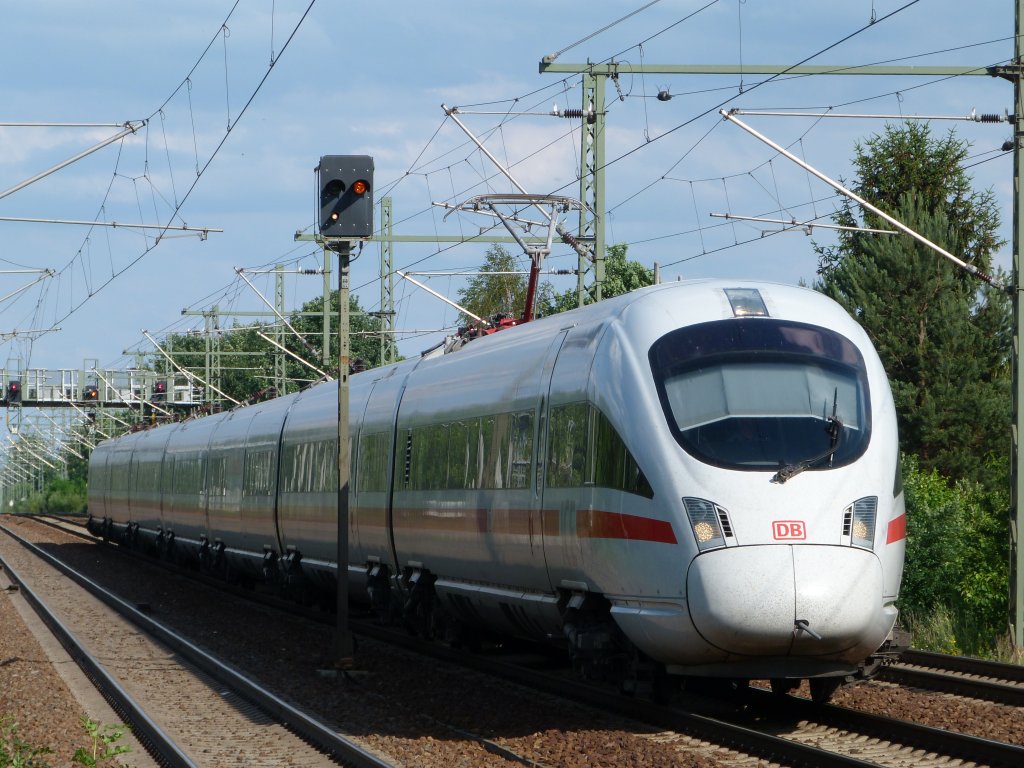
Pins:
x: 760, y: 394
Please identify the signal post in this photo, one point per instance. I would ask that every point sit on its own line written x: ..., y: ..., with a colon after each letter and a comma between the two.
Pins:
x: 345, y: 184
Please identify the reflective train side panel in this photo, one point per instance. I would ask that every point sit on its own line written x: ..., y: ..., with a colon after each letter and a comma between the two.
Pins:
x: 704, y: 472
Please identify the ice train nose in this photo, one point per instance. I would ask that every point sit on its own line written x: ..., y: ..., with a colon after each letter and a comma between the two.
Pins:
x: 785, y: 599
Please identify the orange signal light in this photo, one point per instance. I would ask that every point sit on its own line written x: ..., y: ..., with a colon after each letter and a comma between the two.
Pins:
x: 359, y: 187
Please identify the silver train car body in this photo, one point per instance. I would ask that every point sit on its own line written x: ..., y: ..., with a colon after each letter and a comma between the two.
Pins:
x: 706, y: 472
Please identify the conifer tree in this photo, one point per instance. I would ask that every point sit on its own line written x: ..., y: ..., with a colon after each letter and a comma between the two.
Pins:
x: 943, y: 337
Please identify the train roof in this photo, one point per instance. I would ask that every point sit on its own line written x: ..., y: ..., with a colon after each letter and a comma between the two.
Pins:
x: 646, y: 314
x: 653, y: 309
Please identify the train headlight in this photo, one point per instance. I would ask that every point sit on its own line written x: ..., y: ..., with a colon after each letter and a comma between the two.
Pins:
x: 709, y: 523
x: 746, y: 302
x: 859, y: 522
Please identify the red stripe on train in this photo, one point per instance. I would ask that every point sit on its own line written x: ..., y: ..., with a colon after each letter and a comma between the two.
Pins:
x: 897, y: 529
x: 596, y: 524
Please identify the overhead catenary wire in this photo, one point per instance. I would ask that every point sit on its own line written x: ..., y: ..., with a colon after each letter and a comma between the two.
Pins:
x: 110, y: 387
x: 972, y: 117
x: 763, y: 82
x: 967, y: 267
x: 442, y: 251
x: 178, y: 203
x: 282, y: 318
x: 287, y: 351
x: 186, y: 373
x: 806, y: 224
x: 605, y: 28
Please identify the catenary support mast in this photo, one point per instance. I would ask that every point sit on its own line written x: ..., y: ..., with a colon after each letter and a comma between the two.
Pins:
x: 1013, y: 73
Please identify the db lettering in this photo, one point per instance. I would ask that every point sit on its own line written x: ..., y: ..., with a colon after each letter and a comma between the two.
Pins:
x: 789, y: 530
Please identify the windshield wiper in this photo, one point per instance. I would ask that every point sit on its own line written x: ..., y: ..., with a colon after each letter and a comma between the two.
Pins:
x: 834, y: 428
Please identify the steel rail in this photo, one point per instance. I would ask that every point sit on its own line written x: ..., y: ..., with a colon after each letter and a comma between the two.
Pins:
x: 954, y: 683
x: 966, y: 664
x: 161, y: 746
x: 317, y: 733
x: 959, y: 675
x: 971, y: 749
x: 729, y: 732
x: 720, y: 732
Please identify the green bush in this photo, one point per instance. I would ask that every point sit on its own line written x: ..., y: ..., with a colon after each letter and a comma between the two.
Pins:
x: 102, y: 750
x: 16, y: 753
x: 103, y: 747
x: 65, y: 496
x: 59, y: 496
x: 955, y: 583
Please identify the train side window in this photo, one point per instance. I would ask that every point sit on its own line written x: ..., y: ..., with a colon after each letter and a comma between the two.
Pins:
x: 567, y: 451
x: 256, y: 476
x: 613, y: 465
x: 188, y: 476
x: 167, y: 476
x: 585, y: 449
x: 429, y: 463
x: 492, y: 452
x: 373, y: 462
x: 463, y: 439
x: 216, y: 481
x: 134, y: 478
x: 119, y: 478
x: 148, y: 476
x: 492, y: 431
x: 521, y: 450
x: 180, y: 480
x: 293, y: 464
x: 326, y: 464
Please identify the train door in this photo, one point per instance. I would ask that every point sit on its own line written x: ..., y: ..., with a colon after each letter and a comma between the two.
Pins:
x: 99, y: 482
x: 544, y: 521
x: 566, y: 493
x: 131, y: 499
x: 365, y: 468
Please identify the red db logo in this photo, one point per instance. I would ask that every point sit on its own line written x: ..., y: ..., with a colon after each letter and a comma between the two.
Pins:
x: 789, y: 530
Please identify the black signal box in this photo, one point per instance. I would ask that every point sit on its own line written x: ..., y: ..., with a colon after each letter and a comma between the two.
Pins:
x: 346, y: 196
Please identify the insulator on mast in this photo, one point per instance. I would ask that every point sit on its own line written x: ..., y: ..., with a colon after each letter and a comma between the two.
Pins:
x: 578, y: 114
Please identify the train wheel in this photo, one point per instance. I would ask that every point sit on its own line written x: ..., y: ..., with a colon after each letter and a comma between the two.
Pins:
x: 822, y: 688
x: 419, y: 605
x: 663, y: 685
x: 782, y: 686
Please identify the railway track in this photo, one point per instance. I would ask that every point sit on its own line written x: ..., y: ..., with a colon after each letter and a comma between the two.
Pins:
x: 959, y: 675
x: 943, y: 673
x: 158, y: 687
x: 782, y: 729
x: 787, y: 729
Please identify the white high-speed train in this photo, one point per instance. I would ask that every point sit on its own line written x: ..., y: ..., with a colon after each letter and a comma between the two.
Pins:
x: 699, y: 478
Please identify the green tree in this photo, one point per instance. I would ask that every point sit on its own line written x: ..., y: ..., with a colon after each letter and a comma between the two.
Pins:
x: 247, y: 360
x: 242, y: 372
x: 621, y: 275
x: 491, y: 293
x: 364, y: 340
x: 943, y: 337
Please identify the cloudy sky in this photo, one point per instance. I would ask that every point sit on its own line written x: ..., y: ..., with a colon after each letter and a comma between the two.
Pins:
x: 224, y: 140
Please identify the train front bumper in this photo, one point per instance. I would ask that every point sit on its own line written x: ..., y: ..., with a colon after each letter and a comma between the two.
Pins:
x: 788, y: 600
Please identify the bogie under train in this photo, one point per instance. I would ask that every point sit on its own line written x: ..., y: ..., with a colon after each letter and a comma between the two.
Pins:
x: 699, y: 478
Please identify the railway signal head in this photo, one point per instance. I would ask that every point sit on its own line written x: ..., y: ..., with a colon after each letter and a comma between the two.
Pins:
x: 346, y: 196
x: 14, y: 391
x: 91, y: 392
x: 159, y: 391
